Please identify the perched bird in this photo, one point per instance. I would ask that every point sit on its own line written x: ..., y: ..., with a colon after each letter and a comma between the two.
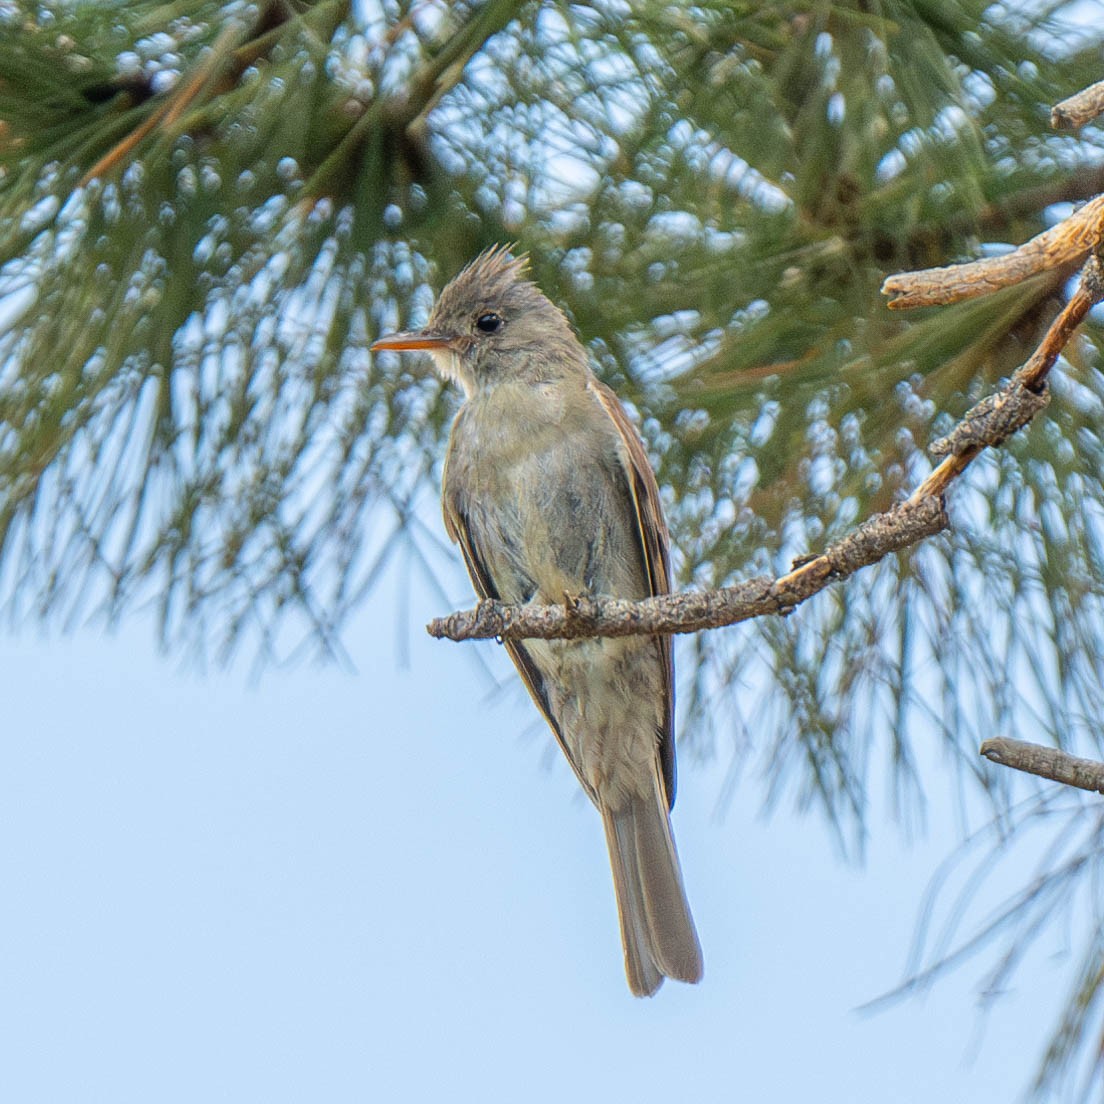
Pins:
x: 549, y: 493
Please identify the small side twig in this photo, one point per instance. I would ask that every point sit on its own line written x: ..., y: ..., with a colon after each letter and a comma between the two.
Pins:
x: 1079, y: 109
x: 1068, y: 243
x: 1046, y: 762
x: 1014, y: 405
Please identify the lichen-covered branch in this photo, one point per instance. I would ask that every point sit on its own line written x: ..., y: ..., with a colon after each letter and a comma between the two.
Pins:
x: 1046, y: 762
x: 690, y: 611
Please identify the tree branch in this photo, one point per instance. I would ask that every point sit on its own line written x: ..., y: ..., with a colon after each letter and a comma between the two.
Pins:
x: 690, y: 611
x: 1066, y: 243
x: 1079, y: 109
x: 997, y: 417
x: 1046, y: 762
x: 988, y: 424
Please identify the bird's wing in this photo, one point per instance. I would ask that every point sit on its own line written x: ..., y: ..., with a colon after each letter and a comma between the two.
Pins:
x: 459, y: 530
x: 654, y: 548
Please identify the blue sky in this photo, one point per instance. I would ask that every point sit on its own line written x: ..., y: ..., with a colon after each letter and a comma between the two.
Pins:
x: 333, y: 886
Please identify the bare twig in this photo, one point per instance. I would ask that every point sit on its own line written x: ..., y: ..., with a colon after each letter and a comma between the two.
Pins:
x: 1079, y: 109
x: 1046, y: 762
x: 1065, y: 244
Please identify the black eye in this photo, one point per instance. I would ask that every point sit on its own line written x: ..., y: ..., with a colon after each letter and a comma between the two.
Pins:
x: 488, y: 323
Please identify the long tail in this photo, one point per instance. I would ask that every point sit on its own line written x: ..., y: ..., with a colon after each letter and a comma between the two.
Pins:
x: 657, y: 930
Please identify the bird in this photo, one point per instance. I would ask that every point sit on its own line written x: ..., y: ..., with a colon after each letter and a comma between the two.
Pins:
x: 548, y: 491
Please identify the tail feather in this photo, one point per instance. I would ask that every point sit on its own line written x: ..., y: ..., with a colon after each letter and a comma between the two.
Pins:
x: 640, y: 967
x: 674, y: 941
x: 657, y: 929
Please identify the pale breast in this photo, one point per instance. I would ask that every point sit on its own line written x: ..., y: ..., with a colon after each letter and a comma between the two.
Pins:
x: 536, y: 472
x: 535, y: 478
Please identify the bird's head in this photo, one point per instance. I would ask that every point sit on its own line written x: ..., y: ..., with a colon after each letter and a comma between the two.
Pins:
x: 492, y: 324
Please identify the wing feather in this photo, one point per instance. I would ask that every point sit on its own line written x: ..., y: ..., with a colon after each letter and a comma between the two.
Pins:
x: 458, y: 529
x: 655, y: 555
x: 655, y: 550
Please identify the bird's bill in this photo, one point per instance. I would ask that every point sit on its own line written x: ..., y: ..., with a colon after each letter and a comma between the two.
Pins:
x: 412, y: 340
